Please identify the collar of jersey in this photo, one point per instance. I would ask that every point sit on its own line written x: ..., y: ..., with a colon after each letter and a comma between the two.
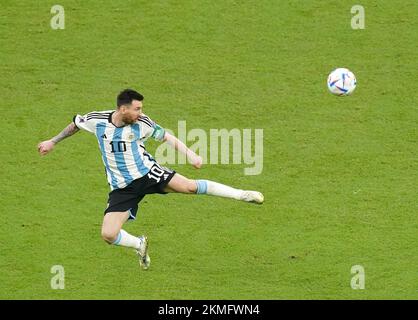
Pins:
x: 110, y: 120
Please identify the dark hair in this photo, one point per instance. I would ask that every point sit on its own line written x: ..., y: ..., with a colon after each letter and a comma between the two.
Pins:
x: 126, y: 96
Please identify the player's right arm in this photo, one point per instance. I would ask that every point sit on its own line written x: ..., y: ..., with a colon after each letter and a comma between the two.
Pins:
x: 87, y: 122
x: 46, y: 146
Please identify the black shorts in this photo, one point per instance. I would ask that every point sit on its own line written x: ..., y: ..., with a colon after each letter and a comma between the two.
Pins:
x: 128, y: 198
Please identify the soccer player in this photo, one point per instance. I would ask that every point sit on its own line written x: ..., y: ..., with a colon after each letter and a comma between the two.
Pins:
x: 132, y: 172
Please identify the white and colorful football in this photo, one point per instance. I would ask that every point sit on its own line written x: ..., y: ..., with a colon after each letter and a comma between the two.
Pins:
x: 341, y: 82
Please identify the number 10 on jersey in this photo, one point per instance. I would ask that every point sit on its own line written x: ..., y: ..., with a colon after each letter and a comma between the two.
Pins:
x: 118, y: 146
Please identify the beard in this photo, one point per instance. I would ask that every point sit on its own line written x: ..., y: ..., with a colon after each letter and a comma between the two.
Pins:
x: 128, y: 120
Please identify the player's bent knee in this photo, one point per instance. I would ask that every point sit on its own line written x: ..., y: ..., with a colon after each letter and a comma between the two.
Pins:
x: 191, y: 186
x: 109, y: 236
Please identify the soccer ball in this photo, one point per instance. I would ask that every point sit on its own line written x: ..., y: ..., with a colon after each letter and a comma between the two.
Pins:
x: 341, y: 82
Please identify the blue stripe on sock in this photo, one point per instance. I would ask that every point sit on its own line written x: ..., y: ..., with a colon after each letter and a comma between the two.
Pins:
x: 116, y: 242
x: 202, y: 186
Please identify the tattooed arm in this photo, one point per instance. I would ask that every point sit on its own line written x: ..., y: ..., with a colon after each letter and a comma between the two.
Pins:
x: 46, y: 146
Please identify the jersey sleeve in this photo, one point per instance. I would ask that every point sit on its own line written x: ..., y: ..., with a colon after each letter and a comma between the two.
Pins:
x: 151, y: 129
x: 84, y: 122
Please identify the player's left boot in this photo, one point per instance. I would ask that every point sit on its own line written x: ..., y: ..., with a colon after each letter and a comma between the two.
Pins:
x: 144, y: 259
x: 252, y: 196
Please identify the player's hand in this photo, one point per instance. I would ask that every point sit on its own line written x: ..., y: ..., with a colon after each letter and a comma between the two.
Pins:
x: 45, y: 147
x: 197, y: 161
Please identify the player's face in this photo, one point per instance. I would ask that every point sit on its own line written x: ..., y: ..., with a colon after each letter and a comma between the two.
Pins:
x: 133, y: 112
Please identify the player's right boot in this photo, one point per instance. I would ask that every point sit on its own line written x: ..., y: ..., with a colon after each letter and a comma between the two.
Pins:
x: 252, y: 196
x: 144, y: 259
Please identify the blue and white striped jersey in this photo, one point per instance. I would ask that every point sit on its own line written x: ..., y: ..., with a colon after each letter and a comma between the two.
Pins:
x: 122, y: 148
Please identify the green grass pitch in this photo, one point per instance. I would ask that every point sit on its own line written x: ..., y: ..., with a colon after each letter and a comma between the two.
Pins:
x: 339, y: 176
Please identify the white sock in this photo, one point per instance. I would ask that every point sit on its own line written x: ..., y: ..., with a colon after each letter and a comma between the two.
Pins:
x: 217, y: 189
x: 127, y: 240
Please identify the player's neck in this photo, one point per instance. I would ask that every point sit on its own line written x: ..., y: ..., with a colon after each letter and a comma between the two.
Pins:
x: 117, y: 119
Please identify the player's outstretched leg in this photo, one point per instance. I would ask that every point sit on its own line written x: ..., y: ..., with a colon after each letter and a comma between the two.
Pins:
x: 113, y: 233
x: 184, y: 185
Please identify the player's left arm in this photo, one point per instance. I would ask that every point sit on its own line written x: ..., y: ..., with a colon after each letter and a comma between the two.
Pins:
x: 157, y: 132
x: 193, y: 158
